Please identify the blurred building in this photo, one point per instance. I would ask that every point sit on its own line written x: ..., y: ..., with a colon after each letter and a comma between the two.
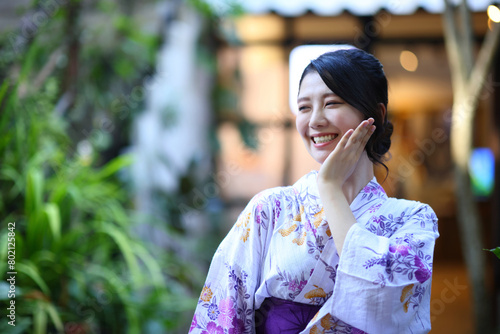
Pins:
x: 408, y: 39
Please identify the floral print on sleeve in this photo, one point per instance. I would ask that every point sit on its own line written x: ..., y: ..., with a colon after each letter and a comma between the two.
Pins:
x: 226, y: 302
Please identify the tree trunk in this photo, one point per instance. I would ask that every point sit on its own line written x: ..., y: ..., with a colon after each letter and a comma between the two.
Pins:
x: 468, y: 78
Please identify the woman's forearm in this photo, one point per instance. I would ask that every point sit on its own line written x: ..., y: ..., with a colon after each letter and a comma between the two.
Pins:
x: 337, y: 212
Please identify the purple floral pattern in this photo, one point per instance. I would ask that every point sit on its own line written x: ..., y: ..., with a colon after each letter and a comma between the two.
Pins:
x: 212, y: 328
x: 294, y: 284
x: 194, y: 323
x: 213, y: 311
x: 386, y: 225
x: 405, y: 257
x: 281, y: 246
x: 227, y: 312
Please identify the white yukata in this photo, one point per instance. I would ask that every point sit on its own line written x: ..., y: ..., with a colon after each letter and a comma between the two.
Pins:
x: 281, y: 247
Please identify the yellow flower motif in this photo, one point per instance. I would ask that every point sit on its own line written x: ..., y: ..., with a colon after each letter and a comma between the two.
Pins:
x: 328, y: 232
x: 315, y: 330
x: 206, y: 294
x: 245, y: 234
x: 300, y: 240
x: 318, y: 292
x: 406, y: 291
x: 285, y: 232
x: 318, y: 218
x: 298, y: 216
x: 243, y: 220
x: 326, y: 321
x: 405, y: 306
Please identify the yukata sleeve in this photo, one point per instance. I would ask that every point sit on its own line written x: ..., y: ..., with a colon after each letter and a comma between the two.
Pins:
x: 226, y: 303
x: 383, y: 280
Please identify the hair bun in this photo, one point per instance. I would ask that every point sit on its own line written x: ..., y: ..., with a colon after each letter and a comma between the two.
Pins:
x: 384, y: 141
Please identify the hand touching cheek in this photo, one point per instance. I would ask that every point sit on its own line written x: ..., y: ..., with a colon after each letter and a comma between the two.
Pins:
x: 341, y: 162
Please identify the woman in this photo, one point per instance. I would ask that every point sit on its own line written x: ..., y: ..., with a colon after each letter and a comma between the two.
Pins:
x: 332, y: 253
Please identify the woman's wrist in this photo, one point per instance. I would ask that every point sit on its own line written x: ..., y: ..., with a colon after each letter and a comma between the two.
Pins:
x: 331, y: 193
x: 328, y: 185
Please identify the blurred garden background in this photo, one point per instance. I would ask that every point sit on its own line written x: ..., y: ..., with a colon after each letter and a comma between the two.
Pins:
x: 132, y: 133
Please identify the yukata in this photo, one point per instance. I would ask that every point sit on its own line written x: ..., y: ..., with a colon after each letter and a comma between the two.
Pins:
x: 281, y: 249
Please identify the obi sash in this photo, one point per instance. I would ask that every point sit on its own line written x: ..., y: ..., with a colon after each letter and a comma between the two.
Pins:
x: 283, y: 316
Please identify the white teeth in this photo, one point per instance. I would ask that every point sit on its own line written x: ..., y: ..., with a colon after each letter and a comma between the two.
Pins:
x: 323, y: 139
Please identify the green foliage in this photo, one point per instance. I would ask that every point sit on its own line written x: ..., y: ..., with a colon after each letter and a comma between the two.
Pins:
x: 495, y: 251
x: 80, y: 266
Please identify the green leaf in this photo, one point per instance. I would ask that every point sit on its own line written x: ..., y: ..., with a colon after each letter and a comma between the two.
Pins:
x: 34, y: 187
x: 151, y: 264
x: 10, y: 173
x: 3, y: 89
x: 54, y: 316
x: 123, y: 242
x: 33, y: 206
x: 29, y: 61
x: 39, y: 319
x: 3, y: 248
x: 495, y: 251
x: 51, y: 211
x: 121, y: 289
x: 59, y: 192
x: 115, y: 165
x: 32, y: 272
x: 44, y: 256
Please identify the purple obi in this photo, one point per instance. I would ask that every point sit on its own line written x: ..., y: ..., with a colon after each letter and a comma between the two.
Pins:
x: 283, y: 316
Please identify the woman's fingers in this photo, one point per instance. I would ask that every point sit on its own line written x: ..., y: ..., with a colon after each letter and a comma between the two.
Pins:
x: 345, y: 138
x: 340, y: 162
x: 365, y: 139
x: 362, y: 133
x: 353, y: 142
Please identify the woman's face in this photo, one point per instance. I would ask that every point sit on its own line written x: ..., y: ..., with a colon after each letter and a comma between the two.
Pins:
x: 323, y: 117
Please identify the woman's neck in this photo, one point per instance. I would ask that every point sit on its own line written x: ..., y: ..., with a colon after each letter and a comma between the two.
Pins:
x: 359, y: 178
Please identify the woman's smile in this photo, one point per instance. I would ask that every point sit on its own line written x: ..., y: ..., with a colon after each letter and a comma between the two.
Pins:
x: 321, y: 140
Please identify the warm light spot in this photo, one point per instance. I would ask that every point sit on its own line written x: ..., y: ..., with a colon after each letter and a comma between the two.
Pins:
x: 494, y: 13
x: 408, y: 60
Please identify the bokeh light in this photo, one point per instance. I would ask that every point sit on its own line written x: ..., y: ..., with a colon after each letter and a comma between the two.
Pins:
x: 408, y: 60
x: 494, y: 13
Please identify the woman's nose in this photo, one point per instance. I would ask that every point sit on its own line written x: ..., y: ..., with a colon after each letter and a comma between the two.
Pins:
x: 317, y: 118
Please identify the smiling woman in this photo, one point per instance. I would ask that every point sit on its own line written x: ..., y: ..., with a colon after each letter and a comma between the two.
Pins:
x: 332, y: 253
x: 356, y: 80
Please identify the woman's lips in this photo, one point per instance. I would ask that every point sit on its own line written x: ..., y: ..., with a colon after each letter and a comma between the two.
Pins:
x: 323, y: 140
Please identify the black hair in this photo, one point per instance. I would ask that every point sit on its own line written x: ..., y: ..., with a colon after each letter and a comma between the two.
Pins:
x: 359, y: 79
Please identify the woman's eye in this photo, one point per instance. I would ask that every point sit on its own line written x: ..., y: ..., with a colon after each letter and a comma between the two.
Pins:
x: 331, y: 103
x: 303, y: 108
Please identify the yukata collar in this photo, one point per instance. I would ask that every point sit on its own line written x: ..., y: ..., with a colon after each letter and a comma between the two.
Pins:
x: 372, y: 190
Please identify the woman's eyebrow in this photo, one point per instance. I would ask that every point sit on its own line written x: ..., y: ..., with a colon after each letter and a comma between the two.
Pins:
x: 331, y: 94
x: 306, y: 98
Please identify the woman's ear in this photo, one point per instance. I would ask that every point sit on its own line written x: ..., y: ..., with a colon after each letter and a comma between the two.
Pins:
x: 383, y: 110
